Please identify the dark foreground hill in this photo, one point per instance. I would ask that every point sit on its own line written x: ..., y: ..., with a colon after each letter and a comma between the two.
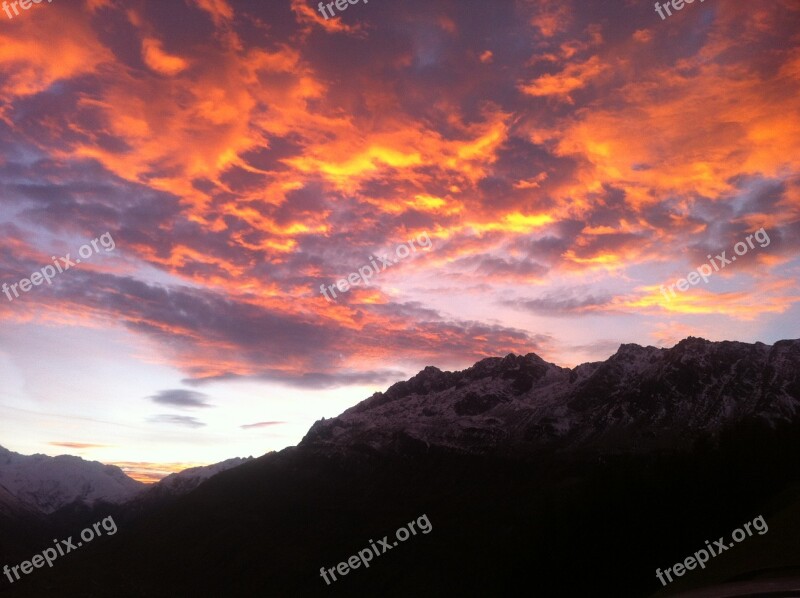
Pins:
x: 536, y: 480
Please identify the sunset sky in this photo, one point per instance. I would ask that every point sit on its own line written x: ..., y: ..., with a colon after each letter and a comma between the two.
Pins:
x: 565, y: 159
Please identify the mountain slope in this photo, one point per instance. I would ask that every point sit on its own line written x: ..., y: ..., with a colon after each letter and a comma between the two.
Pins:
x: 21, y: 525
x: 51, y: 483
x: 183, y: 482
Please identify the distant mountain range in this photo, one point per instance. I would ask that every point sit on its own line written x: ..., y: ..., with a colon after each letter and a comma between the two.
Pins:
x: 40, y: 484
x: 554, y: 481
x: 51, y: 483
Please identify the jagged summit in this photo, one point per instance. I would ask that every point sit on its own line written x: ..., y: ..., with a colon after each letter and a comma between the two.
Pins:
x: 639, y: 398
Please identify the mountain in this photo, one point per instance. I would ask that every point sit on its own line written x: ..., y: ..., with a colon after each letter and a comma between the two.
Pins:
x: 183, y: 482
x: 640, y: 399
x: 52, y: 483
x: 535, y: 479
x: 22, y: 527
x: 60, y: 495
x: 11, y: 506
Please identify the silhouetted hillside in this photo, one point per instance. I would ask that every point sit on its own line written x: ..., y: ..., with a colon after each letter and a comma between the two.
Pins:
x: 606, y: 488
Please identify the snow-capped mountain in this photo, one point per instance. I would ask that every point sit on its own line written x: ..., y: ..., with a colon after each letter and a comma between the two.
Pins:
x: 183, y: 482
x: 641, y: 398
x: 50, y: 483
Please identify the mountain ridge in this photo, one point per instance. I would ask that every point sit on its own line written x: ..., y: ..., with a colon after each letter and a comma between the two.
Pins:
x: 52, y: 483
x: 47, y: 485
x: 519, y: 403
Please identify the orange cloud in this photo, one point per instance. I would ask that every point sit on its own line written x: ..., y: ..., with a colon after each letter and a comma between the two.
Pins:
x: 158, y: 60
x: 72, y: 49
x: 150, y: 473
x: 766, y: 297
x: 310, y: 16
x: 220, y: 10
x: 551, y: 17
x: 77, y: 445
x: 572, y: 77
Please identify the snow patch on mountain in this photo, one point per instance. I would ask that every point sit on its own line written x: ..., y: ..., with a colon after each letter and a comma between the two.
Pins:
x: 50, y: 483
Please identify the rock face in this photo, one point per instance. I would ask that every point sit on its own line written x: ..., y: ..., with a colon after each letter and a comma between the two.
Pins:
x: 50, y: 483
x: 640, y: 399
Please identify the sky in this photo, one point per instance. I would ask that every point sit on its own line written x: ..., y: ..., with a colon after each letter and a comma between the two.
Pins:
x: 511, y: 176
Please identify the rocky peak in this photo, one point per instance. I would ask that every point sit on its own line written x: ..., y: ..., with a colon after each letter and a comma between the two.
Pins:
x: 640, y: 396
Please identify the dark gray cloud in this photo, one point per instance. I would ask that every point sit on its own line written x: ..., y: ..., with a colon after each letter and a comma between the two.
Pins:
x: 178, y: 420
x: 501, y: 268
x: 181, y: 398
x: 557, y: 303
x: 310, y: 380
x: 261, y: 425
